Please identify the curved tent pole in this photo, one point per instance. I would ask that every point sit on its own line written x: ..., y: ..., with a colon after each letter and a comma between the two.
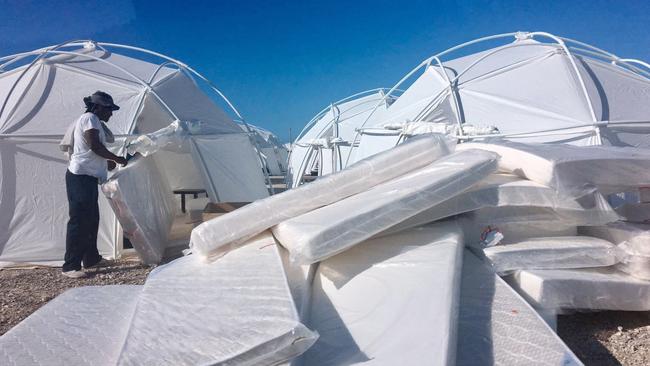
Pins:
x: 459, y: 117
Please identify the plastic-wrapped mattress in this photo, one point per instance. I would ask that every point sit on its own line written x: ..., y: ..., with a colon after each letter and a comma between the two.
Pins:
x: 633, y: 249
x: 476, y: 229
x: 509, y: 198
x: 217, y: 236
x: 572, y: 169
x: 590, y: 288
x: 82, y: 326
x: 332, y: 229
x: 497, y: 327
x: 389, y: 301
x: 235, y: 311
x: 635, y: 212
x: 143, y: 203
x: 552, y: 253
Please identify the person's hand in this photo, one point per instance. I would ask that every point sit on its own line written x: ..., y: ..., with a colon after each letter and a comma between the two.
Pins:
x: 111, y: 164
x: 122, y: 161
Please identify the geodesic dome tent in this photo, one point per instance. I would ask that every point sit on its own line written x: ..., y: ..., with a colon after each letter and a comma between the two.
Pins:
x: 325, y: 141
x: 41, y: 95
x: 274, y: 153
x: 532, y: 87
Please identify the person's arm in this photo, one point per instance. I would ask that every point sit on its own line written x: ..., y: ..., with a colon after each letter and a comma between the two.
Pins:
x: 92, y: 138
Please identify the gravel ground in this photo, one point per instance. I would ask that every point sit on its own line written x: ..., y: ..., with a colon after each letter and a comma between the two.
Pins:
x: 608, y: 337
x: 23, y: 291
x: 601, y: 338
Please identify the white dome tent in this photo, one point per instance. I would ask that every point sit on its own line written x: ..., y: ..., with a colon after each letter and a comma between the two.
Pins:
x: 539, y: 88
x: 325, y: 140
x: 41, y: 95
x: 274, y: 153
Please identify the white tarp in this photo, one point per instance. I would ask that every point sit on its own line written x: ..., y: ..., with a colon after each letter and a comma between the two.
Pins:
x: 552, y: 253
x: 215, y: 237
x: 389, y: 301
x: 82, y: 326
x: 235, y: 311
x: 501, y: 191
x: 329, y: 230
x: 582, y: 289
x: 142, y: 202
x: 573, y: 170
x: 497, y: 327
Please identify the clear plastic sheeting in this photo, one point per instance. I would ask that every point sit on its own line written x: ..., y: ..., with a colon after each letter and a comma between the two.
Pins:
x: 573, y: 170
x: 511, y: 199
x: 633, y: 249
x: 300, y: 278
x: 150, y: 143
x: 552, y: 253
x: 476, y: 231
x: 389, y: 301
x: 582, y: 289
x: 332, y: 229
x: 142, y: 202
x: 635, y: 212
x: 82, y: 326
x: 497, y: 327
x: 235, y: 311
x: 217, y: 236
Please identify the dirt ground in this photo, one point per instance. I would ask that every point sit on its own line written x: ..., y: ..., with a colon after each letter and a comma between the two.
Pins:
x: 602, y: 338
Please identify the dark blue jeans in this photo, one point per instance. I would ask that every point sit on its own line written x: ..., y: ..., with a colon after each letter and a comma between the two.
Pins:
x: 81, y: 239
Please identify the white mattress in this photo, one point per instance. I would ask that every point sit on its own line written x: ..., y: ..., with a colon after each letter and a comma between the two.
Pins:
x: 82, y: 326
x: 592, y: 288
x: 552, y: 253
x: 217, y: 236
x: 235, y: 311
x: 300, y: 278
x: 389, y: 301
x: 497, y: 327
x: 633, y: 249
x: 474, y: 228
x: 143, y: 204
x: 573, y: 169
x: 332, y: 229
x: 509, y: 198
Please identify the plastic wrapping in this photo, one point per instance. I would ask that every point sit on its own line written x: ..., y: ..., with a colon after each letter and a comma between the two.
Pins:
x: 507, y: 198
x: 573, y: 170
x: 150, y: 143
x: 552, y: 253
x: 82, y: 326
x: 635, y: 212
x: 633, y: 248
x: 300, y: 278
x: 497, y: 327
x: 389, y: 301
x: 236, y: 311
x: 217, y: 236
x: 332, y: 229
x: 143, y: 203
x: 476, y: 230
x: 582, y: 289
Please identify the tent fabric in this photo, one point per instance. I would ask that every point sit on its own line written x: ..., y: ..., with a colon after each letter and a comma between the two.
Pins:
x: 48, y: 97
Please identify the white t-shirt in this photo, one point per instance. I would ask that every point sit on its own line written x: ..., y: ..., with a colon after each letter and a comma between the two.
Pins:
x: 84, y: 160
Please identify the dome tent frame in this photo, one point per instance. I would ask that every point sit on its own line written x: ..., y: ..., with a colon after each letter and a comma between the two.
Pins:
x: 91, y: 45
x: 571, y: 48
x: 131, y: 71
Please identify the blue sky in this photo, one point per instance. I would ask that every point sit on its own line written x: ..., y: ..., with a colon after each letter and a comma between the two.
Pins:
x: 280, y: 62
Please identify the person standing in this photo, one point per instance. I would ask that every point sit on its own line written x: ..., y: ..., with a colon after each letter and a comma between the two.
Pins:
x: 88, y: 167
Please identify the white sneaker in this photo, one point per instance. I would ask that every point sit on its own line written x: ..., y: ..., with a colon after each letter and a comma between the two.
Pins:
x: 74, y: 274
